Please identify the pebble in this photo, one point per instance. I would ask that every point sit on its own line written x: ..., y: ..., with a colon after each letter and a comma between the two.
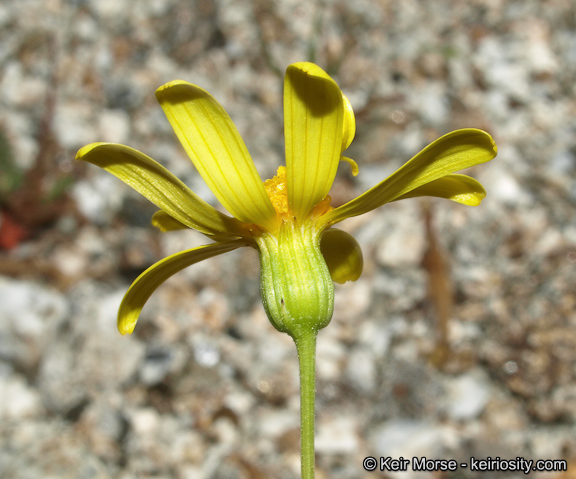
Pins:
x: 361, y: 370
x: 30, y: 320
x: 114, y: 126
x: 73, y: 125
x: 408, y: 438
x: 336, y: 435
x: 466, y: 397
x: 19, y: 400
x: 404, y: 244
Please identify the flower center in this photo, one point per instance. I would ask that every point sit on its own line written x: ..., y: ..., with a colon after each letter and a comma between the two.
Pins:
x: 277, y: 190
x: 297, y: 289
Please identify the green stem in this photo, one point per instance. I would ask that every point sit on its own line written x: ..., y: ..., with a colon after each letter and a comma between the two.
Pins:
x: 306, y: 347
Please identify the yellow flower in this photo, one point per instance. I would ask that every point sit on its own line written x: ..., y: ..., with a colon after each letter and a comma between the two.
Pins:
x: 288, y: 218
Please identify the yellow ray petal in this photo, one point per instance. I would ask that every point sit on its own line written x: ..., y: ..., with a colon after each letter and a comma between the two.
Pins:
x: 215, y: 147
x: 459, y: 188
x: 352, y: 163
x: 342, y: 254
x: 149, y: 280
x: 348, y: 124
x: 313, y: 127
x: 161, y: 187
x: 452, y: 152
x: 164, y: 222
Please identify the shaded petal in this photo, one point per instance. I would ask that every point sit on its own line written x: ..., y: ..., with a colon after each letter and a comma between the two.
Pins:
x: 164, y: 222
x: 452, y: 152
x: 149, y: 280
x: 161, y: 187
x: 342, y: 254
x: 215, y: 147
x: 313, y: 127
x: 459, y: 188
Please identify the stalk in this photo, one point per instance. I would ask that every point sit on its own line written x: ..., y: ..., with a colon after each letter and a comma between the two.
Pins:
x: 306, y: 347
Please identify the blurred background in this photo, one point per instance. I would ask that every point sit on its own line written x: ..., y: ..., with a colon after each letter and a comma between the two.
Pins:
x: 458, y: 340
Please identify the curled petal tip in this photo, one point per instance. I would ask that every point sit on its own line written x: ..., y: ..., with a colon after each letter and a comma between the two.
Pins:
x: 125, y: 328
x: 352, y: 163
x: 494, y: 146
x: 171, y: 84
x: 86, y: 149
x: 311, y: 69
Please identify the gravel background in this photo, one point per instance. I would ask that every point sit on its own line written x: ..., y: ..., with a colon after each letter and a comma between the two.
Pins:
x: 483, y: 363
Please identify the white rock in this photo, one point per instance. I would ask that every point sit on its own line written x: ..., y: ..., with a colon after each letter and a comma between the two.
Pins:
x: 73, y: 125
x: 29, y: 320
x: 58, y: 380
x: 538, y: 54
x: 405, y: 243
x: 144, y: 421
x: 20, y: 90
x: 337, y: 435
x: 99, y: 198
x: 29, y: 309
x: 550, y: 241
x: 18, y: 399
x: 240, y: 402
x: 330, y: 353
x: 377, y: 336
x: 361, y: 370
x: 402, y: 248
x: 467, y: 396
x: 156, y: 365
x: 504, y: 186
x: 70, y: 260
x: 352, y: 299
x: 108, y: 8
x: 408, y: 438
x: 109, y: 359
x: 106, y: 311
x: 114, y: 126
x: 563, y: 163
x: 4, y: 15
x: 191, y: 472
x: 431, y: 104
x: 206, y: 352
x: 273, y: 423
x: 411, y: 141
x: 85, y: 27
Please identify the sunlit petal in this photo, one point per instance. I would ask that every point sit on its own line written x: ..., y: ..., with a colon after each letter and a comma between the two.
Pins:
x: 459, y: 188
x: 161, y: 187
x: 149, y: 280
x: 454, y: 151
x: 348, y: 124
x: 215, y: 147
x: 313, y: 127
x: 342, y: 254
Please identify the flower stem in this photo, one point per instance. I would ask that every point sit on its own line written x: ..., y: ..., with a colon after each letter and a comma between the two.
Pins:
x: 306, y: 347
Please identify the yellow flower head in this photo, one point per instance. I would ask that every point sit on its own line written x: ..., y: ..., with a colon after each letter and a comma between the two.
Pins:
x: 288, y: 218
